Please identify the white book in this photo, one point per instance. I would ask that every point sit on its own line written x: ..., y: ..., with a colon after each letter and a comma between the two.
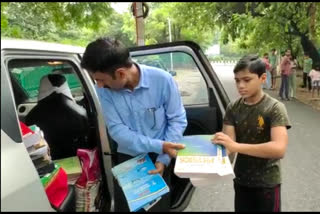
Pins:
x: 201, y: 158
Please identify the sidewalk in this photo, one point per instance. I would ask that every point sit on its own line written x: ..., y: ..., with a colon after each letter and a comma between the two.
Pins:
x: 302, y: 94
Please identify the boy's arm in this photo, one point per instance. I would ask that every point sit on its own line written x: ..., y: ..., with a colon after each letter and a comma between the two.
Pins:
x: 229, y: 130
x: 275, y: 148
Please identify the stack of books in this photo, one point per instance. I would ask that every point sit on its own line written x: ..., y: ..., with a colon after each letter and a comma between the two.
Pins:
x: 37, y: 148
x: 72, y: 168
x: 202, y: 161
x: 142, y: 190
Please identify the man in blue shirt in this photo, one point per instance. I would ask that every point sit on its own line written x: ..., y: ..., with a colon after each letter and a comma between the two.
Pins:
x: 141, y: 105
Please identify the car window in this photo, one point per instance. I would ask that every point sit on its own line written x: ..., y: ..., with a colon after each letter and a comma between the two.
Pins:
x: 27, y: 73
x: 184, y: 70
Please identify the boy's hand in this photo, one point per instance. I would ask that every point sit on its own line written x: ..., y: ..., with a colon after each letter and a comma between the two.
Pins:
x: 159, y: 168
x: 226, y: 141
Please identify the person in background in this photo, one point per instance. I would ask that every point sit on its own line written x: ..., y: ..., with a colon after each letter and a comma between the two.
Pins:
x: 307, y: 67
x: 268, y: 82
x: 315, y: 78
x: 273, y: 62
x: 292, y: 77
x: 285, y: 68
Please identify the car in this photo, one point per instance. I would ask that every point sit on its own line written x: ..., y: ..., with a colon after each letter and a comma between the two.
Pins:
x: 25, y: 62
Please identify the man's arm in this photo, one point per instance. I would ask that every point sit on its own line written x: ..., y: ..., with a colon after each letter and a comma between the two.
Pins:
x: 176, y: 117
x: 275, y: 148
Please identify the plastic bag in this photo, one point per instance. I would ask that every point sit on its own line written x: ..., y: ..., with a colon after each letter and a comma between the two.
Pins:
x: 87, y: 186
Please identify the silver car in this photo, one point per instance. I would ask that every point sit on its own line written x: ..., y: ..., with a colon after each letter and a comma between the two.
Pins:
x: 24, y: 63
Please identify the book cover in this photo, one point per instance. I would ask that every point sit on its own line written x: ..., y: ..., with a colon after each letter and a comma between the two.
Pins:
x: 72, y: 167
x: 139, y: 187
x: 201, y: 158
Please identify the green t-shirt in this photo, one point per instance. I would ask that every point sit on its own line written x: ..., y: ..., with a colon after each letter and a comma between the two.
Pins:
x: 307, y: 65
x: 273, y: 60
x: 253, y: 125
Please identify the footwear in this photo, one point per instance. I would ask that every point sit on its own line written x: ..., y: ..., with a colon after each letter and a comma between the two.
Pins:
x: 288, y: 99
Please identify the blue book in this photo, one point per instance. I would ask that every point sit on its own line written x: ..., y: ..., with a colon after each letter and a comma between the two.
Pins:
x: 140, y: 188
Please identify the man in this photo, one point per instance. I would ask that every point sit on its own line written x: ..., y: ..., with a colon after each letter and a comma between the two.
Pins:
x: 307, y: 67
x: 273, y: 63
x: 285, y: 69
x: 142, y: 108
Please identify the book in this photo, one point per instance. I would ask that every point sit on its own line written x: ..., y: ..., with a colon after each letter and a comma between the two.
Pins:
x: 201, y: 159
x: 140, y: 188
x: 72, y: 168
x: 30, y: 135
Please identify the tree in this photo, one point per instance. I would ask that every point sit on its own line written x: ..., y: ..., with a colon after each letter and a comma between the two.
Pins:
x: 259, y: 24
x: 53, y: 21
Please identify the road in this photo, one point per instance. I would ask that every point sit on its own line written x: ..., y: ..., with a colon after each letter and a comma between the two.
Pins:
x: 300, y: 166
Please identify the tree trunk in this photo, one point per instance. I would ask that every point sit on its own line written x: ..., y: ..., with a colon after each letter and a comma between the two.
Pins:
x: 310, y: 48
x: 312, y: 24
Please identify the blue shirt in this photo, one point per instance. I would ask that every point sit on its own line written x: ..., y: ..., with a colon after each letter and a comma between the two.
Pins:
x: 141, y: 120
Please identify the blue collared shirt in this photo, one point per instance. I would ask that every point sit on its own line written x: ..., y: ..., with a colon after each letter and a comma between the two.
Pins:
x: 141, y: 120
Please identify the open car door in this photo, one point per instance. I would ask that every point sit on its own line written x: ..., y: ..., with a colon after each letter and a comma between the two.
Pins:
x: 203, y: 96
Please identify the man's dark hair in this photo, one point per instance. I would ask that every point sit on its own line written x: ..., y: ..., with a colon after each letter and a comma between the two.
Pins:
x: 306, y: 54
x: 273, y: 49
x: 106, y: 55
x: 251, y: 62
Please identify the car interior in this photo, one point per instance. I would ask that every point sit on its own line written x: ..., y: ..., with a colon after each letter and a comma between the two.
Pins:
x: 44, y: 97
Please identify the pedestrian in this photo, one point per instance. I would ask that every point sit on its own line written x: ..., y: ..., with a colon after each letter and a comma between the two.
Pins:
x: 255, y: 126
x: 268, y: 82
x: 315, y: 78
x: 293, y: 77
x: 142, y: 108
x: 273, y: 62
x: 307, y: 66
x: 285, y: 67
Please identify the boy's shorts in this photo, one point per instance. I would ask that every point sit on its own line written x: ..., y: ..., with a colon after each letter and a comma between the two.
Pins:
x: 316, y: 83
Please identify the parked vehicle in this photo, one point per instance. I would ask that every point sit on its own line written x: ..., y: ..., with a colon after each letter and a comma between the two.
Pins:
x: 24, y: 63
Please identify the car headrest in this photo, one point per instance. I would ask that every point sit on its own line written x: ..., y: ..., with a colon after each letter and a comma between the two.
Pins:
x: 54, y: 83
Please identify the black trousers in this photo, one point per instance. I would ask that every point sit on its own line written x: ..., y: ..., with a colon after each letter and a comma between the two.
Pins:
x: 306, y: 81
x: 121, y: 204
x: 258, y: 199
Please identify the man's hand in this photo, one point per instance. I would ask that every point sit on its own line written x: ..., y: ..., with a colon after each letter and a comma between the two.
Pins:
x: 170, y: 148
x: 159, y: 168
x: 226, y: 141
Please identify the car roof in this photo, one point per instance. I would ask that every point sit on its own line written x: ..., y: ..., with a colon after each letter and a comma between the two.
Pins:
x: 19, y: 44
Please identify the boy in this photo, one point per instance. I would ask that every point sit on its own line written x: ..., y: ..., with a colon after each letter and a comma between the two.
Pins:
x: 255, y: 126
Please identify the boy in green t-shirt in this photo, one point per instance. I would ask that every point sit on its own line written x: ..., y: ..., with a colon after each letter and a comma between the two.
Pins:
x: 255, y: 126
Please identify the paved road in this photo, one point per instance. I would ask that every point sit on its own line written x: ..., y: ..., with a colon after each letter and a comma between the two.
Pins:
x: 300, y: 167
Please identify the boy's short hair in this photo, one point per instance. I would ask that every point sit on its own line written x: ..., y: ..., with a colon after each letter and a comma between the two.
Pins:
x: 306, y: 54
x: 106, y: 55
x: 265, y: 54
x: 251, y: 62
x: 273, y: 49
